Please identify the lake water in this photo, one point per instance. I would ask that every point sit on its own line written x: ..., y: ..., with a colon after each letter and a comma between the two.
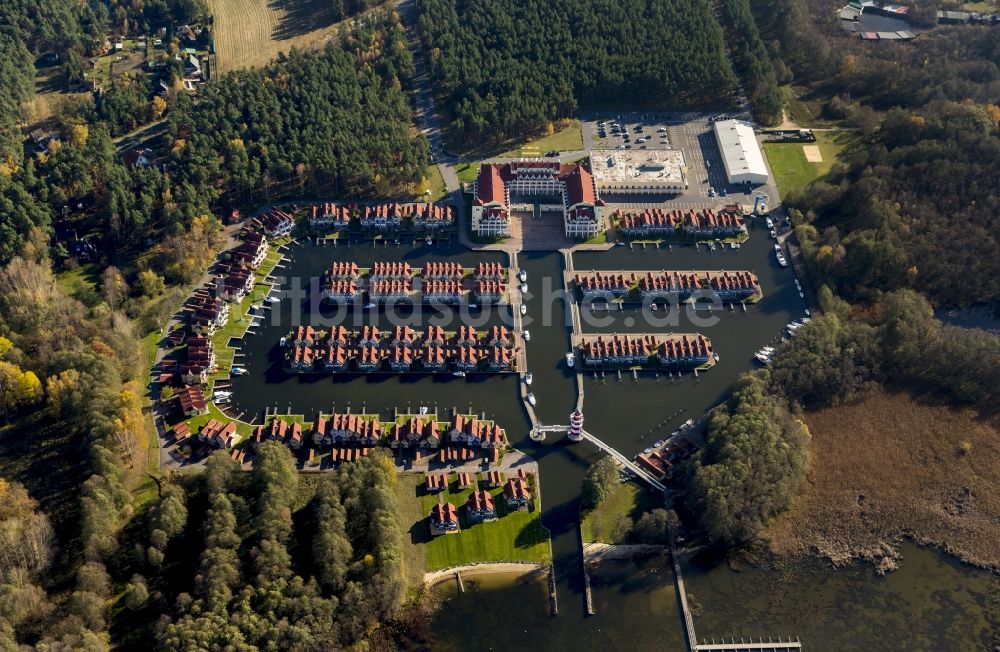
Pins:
x: 635, y: 602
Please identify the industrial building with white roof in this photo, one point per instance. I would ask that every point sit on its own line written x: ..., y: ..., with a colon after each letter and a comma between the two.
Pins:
x: 741, y: 155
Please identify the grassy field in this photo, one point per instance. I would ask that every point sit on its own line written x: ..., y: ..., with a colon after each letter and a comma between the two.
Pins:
x: 893, y: 466
x: 611, y: 522
x: 567, y: 137
x: 466, y: 172
x: 514, y: 536
x: 249, y: 33
x: 792, y: 171
x: 433, y: 182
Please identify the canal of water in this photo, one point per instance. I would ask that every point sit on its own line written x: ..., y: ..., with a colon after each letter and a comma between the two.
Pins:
x: 635, y: 602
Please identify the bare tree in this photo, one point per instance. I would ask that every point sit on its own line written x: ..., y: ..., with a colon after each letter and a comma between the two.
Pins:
x: 127, y: 445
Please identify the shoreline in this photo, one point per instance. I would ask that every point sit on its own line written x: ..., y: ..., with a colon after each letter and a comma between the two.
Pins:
x: 434, y: 578
x: 597, y: 552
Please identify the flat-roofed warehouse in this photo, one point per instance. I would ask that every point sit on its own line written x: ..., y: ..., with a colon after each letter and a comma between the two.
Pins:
x: 741, y: 153
x: 638, y: 172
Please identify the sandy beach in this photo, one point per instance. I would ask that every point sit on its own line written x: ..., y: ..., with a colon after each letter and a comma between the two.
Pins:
x: 472, y: 570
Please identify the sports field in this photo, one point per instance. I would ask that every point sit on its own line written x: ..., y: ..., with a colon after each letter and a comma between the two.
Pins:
x: 796, y: 165
x: 249, y: 33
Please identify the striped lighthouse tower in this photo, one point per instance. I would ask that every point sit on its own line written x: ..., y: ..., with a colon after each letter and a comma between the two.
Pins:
x: 575, y: 431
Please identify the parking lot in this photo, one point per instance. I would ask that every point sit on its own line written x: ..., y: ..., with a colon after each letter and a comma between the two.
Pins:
x: 691, y: 134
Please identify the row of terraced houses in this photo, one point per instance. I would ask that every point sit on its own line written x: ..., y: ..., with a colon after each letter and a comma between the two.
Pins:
x: 701, y: 223
x: 440, y: 282
x: 381, y: 217
x: 402, y: 350
x: 667, y: 351
x: 669, y: 285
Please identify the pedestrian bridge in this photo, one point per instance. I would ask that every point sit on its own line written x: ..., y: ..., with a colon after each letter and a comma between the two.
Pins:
x: 624, y: 461
x: 759, y: 645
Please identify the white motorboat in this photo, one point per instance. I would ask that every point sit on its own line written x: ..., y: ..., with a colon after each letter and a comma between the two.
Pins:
x: 238, y: 371
x: 528, y: 378
x: 369, y: 306
x: 531, y: 399
x: 570, y: 360
x: 522, y: 275
x: 524, y: 288
x: 524, y: 309
x: 769, y: 222
x: 423, y: 410
x: 762, y: 358
x: 777, y: 248
x: 806, y: 320
x: 459, y: 374
x: 793, y: 326
x: 274, y: 299
x: 527, y: 336
x: 223, y: 394
x: 282, y: 341
x: 473, y: 306
x: 716, y: 356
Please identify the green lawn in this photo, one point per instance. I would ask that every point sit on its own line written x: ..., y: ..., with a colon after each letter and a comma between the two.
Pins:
x: 85, y: 277
x: 466, y: 172
x: 608, y: 524
x: 988, y: 6
x: 792, y: 171
x: 514, y: 536
x: 433, y: 182
x: 569, y: 137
